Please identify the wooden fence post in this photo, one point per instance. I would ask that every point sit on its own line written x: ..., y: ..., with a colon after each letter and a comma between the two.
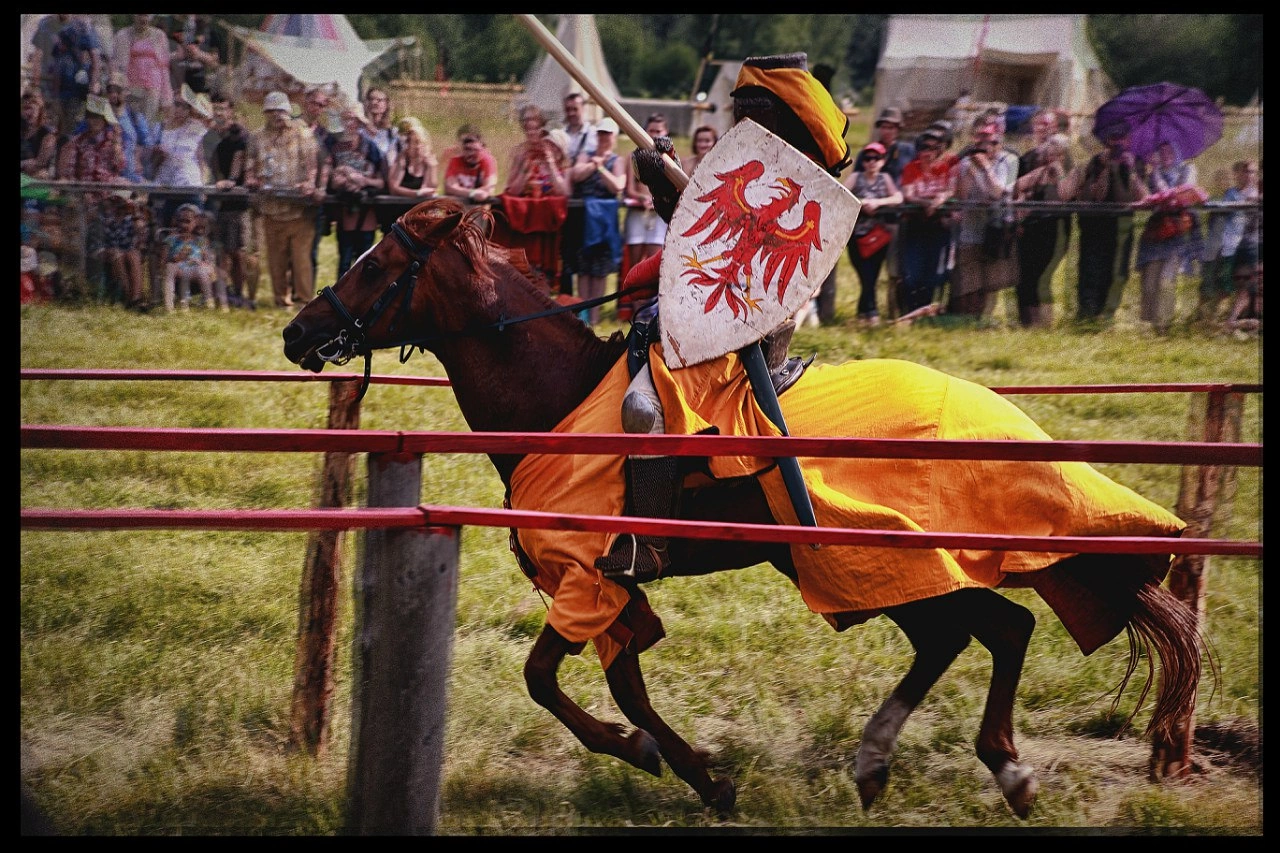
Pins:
x: 406, y: 601
x: 311, y: 708
x: 1205, y: 494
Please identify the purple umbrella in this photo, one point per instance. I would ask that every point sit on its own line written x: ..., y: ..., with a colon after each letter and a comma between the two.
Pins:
x: 1162, y: 112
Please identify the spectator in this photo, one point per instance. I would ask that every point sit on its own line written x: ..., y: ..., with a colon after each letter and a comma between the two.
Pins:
x: 358, y: 173
x: 94, y: 155
x: 1106, y: 237
x: 77, y: 63
x: 233, y: 232
x: 536, y: 165
x: 928, y: 181
x: 282, y: 158
x: 124, y: 235
x: 382, y: 130
x: 1246, y: 310
x: 416, y: 171
x: 1044, y: 123
x: 582, y: 138
x: 1045, y: 234
x: 187, y: 259
x: 1169, y: 238
x: 44, y: 65
x: 986, y: 250
x: 535, y: 201
x: 39, y: 137
x: 142, y: 52
x: 472, y: 174
x: 1226, y: 230
x: 178, y: 152
x: 136, y: 135
x: 644, y: 231
x: 324, y: 126
x: 704, y: 139
x: 876, y: 190
x: 598, y: 178
x: 197, y: 52
x: 898, y: 153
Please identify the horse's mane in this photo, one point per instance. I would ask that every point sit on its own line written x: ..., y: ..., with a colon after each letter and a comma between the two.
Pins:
x: 488, y: 260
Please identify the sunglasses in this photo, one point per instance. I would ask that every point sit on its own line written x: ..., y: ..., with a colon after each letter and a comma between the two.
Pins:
x: 866, y: 157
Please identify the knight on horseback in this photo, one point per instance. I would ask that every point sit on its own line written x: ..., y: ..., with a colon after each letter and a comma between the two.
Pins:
x: 779, y: 94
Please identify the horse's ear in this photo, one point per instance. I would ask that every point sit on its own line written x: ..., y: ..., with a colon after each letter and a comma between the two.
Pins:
x: 434, y: 220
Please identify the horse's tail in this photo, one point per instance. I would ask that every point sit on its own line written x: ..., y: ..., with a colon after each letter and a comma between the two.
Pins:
x: 1163, y: 627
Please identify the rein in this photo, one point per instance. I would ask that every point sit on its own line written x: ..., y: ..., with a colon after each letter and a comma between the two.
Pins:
x: 352, y: 341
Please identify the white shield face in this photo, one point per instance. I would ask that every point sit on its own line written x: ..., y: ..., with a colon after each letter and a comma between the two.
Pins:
x: 755, y: 233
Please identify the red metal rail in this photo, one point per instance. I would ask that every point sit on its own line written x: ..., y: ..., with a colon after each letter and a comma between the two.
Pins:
x: 449, y: 516
x: 440, y: 381
x: 34, y: 436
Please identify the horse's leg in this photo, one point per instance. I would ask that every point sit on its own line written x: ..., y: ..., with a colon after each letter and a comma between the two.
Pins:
x: 627, y: 686
x: 1004, y: 627
x: 638, y: 748
x: 935, y: 631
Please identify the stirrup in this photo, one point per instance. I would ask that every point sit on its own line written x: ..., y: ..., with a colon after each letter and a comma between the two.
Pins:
x: 786, y: 375
x: 657, y: 557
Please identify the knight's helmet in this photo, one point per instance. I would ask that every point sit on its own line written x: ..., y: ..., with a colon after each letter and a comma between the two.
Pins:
x: 779, y: 94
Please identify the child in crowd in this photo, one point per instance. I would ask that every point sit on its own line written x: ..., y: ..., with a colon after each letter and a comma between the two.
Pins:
x: 123, y: 233
x: 188, y: 258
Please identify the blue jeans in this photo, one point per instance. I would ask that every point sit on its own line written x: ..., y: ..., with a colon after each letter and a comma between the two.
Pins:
x: 924, y: 258
x: 351, y: 245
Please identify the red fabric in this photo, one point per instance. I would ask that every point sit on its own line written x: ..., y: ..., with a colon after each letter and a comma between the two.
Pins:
x: 645, y: 272
x: 535, y: 215
x: 533, y: 224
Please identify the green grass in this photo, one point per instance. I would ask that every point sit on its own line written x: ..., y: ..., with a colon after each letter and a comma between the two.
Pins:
x: 156, y: 666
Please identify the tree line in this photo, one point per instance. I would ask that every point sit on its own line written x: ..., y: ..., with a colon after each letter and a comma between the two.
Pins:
x: 660, y: 56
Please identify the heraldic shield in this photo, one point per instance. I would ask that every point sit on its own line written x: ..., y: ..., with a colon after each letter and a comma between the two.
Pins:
x: 755, y: 233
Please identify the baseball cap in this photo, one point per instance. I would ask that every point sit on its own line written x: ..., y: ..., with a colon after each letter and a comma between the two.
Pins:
x: 890, y: 115
x: 874, y: 148
x: 607, y: 125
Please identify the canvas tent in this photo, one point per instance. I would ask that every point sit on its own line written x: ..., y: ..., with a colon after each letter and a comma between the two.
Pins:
x: 927, y: 62
x: 547, y: 82
x: 294, y: 52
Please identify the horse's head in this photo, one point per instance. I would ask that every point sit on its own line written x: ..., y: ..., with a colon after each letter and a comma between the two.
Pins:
x: 393, y: 294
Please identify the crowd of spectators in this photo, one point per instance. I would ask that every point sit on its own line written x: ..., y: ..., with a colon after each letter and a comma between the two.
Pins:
x: 950, y: 231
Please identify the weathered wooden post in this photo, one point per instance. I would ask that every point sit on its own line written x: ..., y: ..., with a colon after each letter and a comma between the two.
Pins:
x: 1204, y: 491
x: 406, y: 600
x: 311, y: 708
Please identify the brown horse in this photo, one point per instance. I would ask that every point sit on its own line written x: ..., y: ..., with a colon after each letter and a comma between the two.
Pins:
x: 437, y: 283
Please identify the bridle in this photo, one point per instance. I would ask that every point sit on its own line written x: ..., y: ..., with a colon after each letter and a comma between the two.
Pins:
x: 352, y: 338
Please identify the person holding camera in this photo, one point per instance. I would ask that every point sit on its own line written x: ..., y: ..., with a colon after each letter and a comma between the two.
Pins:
x: 1106, y: 237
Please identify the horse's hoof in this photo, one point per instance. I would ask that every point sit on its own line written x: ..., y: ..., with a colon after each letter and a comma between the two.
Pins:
x: 1019, y: 784
x: 722, y: 797
x: 870, y: 787
x: 647, y: 755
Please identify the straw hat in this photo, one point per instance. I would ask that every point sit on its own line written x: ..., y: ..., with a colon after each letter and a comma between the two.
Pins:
x: 99, y: 105
x: 560, y: 140
x: 277, y: 101
x: 355, y: 110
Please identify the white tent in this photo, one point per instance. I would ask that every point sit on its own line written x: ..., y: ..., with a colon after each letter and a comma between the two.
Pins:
x: 927, y: 62
x: 294, y: 52
x: 547, y: 83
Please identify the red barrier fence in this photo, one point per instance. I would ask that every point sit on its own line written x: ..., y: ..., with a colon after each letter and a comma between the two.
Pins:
x: 401, y: 535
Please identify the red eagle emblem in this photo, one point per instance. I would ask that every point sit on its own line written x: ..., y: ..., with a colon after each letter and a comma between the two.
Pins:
x: 751, y: 231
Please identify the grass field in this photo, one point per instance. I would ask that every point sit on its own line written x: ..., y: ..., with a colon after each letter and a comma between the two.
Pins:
x: 156, y: 666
